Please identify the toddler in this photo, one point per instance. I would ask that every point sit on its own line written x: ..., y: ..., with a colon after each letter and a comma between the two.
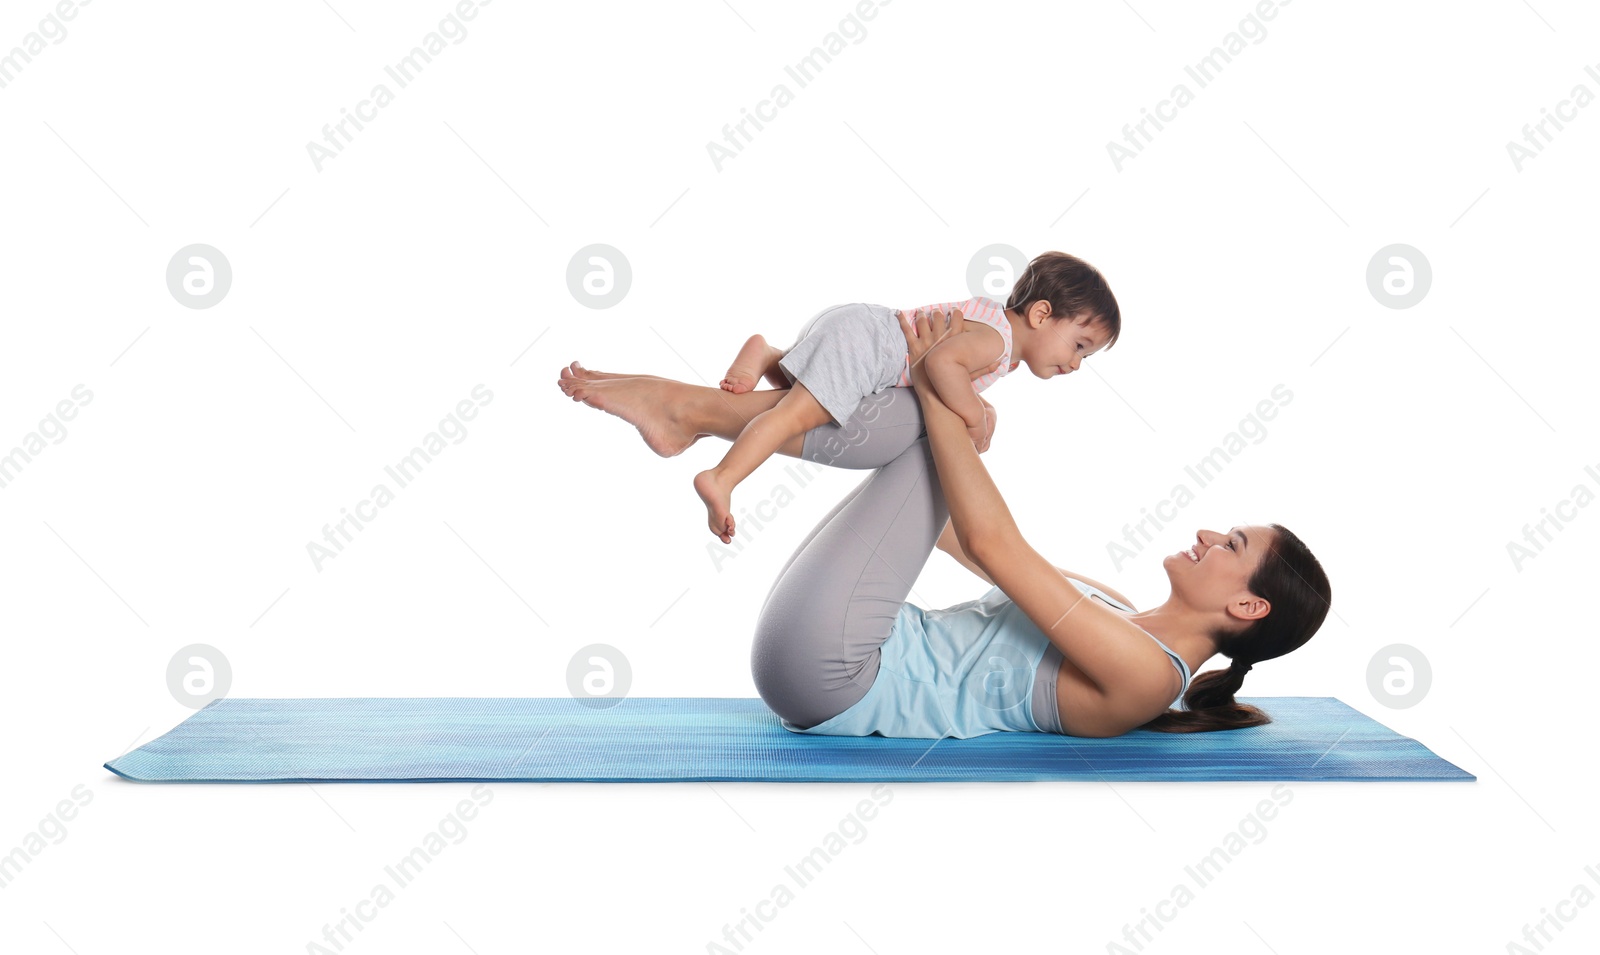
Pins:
x: 1061, y: 312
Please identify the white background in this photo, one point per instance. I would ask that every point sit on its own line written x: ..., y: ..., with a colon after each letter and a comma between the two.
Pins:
x: 370, y: 297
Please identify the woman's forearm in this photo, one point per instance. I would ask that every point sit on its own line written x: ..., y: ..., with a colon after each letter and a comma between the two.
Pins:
x: 977, y: 511
x: 950, y: 545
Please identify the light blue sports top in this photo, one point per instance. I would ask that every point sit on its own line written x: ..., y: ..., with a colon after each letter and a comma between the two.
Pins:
x: 963, y: 671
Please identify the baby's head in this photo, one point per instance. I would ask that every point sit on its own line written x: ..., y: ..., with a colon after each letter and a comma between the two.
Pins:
x: 1070, y: 302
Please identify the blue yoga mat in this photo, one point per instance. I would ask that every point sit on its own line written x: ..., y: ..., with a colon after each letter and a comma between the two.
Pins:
x: 660, y: 739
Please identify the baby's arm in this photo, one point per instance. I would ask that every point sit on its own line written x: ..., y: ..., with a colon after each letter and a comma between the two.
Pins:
x: 951, y: 364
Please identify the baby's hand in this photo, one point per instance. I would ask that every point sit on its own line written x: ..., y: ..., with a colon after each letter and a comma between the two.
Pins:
x: 980, y: 435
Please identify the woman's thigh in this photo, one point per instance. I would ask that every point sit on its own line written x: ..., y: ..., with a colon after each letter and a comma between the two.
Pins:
x: 882, y: 426
x: 817, y: 639
x: 846, y: 352
x: 881, y: 429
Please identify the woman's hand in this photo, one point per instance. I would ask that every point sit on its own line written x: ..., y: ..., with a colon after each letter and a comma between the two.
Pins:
x: 923, y: 330
x: 927, y: 329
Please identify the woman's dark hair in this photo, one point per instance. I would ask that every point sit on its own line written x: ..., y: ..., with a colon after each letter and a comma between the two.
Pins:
x: 1073, y: 288
x: 1290, y: 578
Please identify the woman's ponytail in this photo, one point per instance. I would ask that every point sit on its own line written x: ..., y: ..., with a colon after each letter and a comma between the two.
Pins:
x: 1209, y: 705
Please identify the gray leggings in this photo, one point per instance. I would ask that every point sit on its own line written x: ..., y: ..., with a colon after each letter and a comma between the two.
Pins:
x: 835, y: 601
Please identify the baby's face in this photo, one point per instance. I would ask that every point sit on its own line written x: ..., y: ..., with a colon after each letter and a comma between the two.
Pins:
x: 1060, y: 346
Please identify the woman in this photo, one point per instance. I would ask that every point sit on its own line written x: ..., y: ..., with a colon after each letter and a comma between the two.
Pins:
x: 838, y: 651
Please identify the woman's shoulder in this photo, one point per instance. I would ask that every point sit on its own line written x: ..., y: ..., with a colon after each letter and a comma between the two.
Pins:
x: 1095, y: 588
x: 994, y: 594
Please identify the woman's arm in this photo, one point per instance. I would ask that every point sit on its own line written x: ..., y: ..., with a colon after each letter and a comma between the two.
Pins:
x: 978, y: 513
x: 949, y: 544
x: 1130, y: 672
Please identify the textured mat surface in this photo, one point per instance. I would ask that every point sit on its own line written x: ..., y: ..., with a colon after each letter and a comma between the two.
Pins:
x: 649, y: 739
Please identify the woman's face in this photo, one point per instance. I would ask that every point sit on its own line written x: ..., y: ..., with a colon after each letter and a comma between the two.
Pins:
x: 1217, y: 575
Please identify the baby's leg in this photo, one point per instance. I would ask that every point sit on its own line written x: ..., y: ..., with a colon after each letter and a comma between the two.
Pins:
x: 797, y: 412
x: 756, y: 361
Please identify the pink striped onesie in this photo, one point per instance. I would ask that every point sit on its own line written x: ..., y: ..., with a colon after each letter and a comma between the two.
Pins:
x: 980, y: 309
x: 845, y: 353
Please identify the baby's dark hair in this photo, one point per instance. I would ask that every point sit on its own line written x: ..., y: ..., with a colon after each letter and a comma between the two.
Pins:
x: 1074, y: 289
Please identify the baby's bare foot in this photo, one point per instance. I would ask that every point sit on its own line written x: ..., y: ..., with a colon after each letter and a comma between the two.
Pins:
x: 719, y: 503
x: 646, y: 403
x: 749, y: 366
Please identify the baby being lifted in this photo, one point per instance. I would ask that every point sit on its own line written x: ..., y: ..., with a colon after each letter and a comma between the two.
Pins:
x: 848, y: 352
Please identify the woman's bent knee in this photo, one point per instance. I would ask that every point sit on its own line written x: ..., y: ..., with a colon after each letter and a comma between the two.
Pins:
x: 804, y: 676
